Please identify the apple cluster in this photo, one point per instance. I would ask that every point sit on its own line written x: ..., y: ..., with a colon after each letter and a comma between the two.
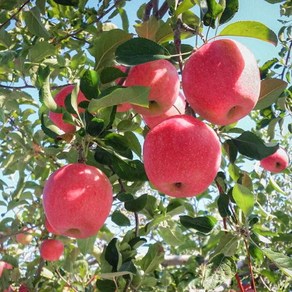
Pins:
x: 181, y: 153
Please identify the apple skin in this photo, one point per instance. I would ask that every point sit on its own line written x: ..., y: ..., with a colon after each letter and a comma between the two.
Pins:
x: 77, y: 199
x: 25, y: 237
x: 221, y: 81
x: 23, y: 288
x: 276, y: 162
x: 51, y: 249
x: 4, y: 266
x: 57, y: 118
x: 50, y: 228
x: 162, y: 78
x: 182, y: 156
x: 178, y: 108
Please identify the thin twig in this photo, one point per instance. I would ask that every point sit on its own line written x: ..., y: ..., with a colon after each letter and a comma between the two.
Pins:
x: 136, y: 224
x: 13, y: 15
x: 147, y: 12
x: 239, y: 283
x: 73, y: 34
x: 287, y: 60
x: 250, y: 266
x: 67, y: 282
x: 162, y: 10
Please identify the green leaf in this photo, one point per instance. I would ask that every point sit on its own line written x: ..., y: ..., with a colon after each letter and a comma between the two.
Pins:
x: 220, y: 269
x: 131, y: 170
x: 270, y: 91
x: 45, y: 90
x: 40, y: 51
x: 228, y: 245
x: 250, y: 145
x: 251, y: 29
x: 89, y: 84
x: 105, y: 46
x: 283, y: 262
x: 223, y: 205
x: 148, y: 29
x: 134, y: 94
x: 109, y: 74
x: 275, y: 186
x: 153, y: 258
x: 264, y: 69
x: 105, y: 285
x: 50, y: 130
x: 136, y: 205
x: 184, y: 6
x: 112, y: 254
x: 231, y: 7
x: 214, y: 10
x: 133, y: 142
x: 34, y: 24
x: 171, y: 236
x: 140, y: 50
x: 204, y: 224
x: 67, y: 2
x: 244, y: 199
x: 86, y: 244
x: 120, y: 219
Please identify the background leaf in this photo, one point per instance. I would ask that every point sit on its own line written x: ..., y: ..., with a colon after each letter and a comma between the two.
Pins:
x: 252, y: 29
x: 244, y: 199
x: 204, y: 224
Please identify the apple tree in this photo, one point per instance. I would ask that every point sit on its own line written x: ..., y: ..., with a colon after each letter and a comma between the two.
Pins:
x: 79, y: 90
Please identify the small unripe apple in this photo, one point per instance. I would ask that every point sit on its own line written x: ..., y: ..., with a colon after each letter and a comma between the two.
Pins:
x: 51, y: 249
x: 182, y: 156
x: 178, y: 108
x: 162, y: 78
x: 77, y: 199
x: 57, y: 118
x: 24, y: 237
x: 221, y: 81
x: 276, y: 162
x: 4, y: 266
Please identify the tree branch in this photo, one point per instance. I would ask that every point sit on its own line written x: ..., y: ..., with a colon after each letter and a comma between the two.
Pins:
x: 287, y: 60
x: 13, y: 15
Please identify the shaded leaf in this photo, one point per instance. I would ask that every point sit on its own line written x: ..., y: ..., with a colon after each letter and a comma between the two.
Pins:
x: 86, y: 244
x: 214, y: 10
x: 223, y: 205
x: 251, y: 145
x: 227, y: 246
x: 270, y: 91
x: 148, y: 29
x: 120, y: 219
x: 105, y: 285
x: 109, y: 74
x: 89, y: 84
x: 136, y: 205
x: 204, y: 224
x: 231, y: 7
x: 251, y: 29
x: 140, y: 50
x: 112, y: 254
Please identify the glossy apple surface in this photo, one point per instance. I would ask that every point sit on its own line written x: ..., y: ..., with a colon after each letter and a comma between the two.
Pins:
x: 178, y: 108
x: 77, y: 199
x: 50, y: 228
x: 162, y: 78
x: 51, y: 249
x: 57, y: 118
x: 221, y: 81
x: 182, y: 156
x: 276, y: 162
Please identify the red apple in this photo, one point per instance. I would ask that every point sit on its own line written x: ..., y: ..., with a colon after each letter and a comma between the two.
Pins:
x: 182, y: 156
x: 51, y: 249
x: 162, y: 78
x: 23, y: 288
x: 4, y: 266
x: 57, y: 118
x: 24, y: 237
x: 276, y: 162
x: 178, y: 108
x: 221, y: 81
x: 50, y: 228
x: 77, y: 199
